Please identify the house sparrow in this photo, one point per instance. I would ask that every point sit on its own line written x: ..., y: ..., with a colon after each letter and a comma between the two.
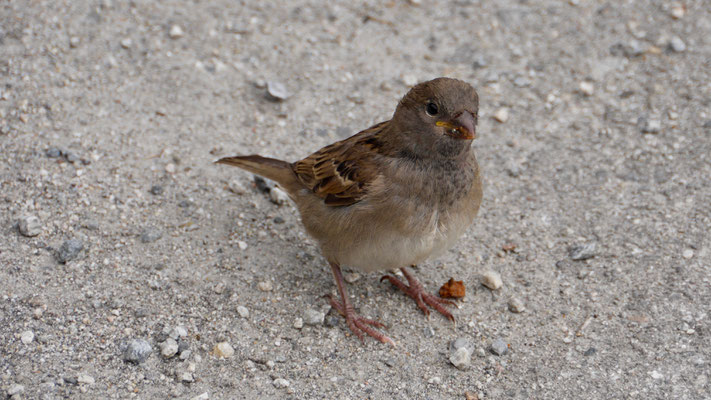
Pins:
x: 389, y: 196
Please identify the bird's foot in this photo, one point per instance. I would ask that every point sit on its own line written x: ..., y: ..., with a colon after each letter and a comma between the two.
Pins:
x: 414, y: 289
x: 358, y: 324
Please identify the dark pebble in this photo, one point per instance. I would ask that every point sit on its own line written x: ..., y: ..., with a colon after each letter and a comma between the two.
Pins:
x: 278, y: 220
x: 70, y: 380
x: 69, y: 250
x: 151, y: 235
x: 136, y: 350
x: 264, y: 185
x: 331, y: 320
x: 53, y: 152
x: 157, y: 190
x: 185, y: 203
x: 590, y: 352
x: 707, y: 124
x: 582, y: 252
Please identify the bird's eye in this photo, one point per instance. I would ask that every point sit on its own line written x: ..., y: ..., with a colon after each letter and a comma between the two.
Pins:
x: 432, y: 109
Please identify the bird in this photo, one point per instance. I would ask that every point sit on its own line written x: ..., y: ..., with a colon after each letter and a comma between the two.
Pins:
x: 390, y: 196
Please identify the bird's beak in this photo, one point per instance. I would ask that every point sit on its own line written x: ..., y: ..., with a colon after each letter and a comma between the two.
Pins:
x: 463, y: 126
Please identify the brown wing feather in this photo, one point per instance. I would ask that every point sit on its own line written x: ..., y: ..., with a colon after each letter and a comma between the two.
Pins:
x: 341, y: 173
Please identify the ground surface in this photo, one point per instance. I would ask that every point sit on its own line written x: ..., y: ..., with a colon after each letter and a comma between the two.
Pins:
x: 110, y: 118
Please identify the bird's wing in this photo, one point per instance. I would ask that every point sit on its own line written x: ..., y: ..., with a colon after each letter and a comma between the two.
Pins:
x: 341, y: 173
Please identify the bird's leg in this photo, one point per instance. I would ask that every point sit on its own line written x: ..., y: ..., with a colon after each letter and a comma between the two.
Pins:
x: 356, y: 323
x: 414, y: 289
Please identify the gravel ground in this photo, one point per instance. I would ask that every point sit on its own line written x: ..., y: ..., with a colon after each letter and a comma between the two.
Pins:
x: 132, y: 267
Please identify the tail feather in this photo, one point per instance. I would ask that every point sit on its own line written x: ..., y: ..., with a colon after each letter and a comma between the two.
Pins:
x: 271, y: 168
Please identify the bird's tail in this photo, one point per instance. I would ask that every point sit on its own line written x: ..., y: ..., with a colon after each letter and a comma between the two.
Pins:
x: 271, y: 168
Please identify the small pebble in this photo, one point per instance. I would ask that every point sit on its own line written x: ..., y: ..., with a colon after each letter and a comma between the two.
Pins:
x: 74, y: 42
x: 85, y: 379
x: 351, y: 277
x: 201, y: 396
x: 409, y: 80
x: 29, y: 225
x: 460, y: 358
x: 589, y: 352
x: 677, y: 45
x: 265, y: 286
x: 186, y: 376
x: 223, y: 349
x: 583, y: 251
x: 69, y: 250
x: 53, y: 152
x: 242, y: 245
x: 243, y: 311
x: 331, y: 320
x: 176, y: 32
x: 516, y: 305
x: 280, y: 383
x: 587, y: 88
x: 650, y: 125
x: 178, y: 332
x: 677, y: 11
x: 170, y: 168
x: 157, y: 190
x: 136, y: 351
x: 435, y: 380
x: 459, y: 343
x: 492, y: 280
x: 428, y: 331
x: 15, y: 389
x: 126, y: 43
x: 501, y: 115
x: 235, y: 186
x: 150, y: 235
x: 499, y: 347
x: 277, y: 90
x: 278, y: 196
x: 298, y: 323
x: 169, y: 348
x: 313, y: 317
x: 27, y: 337
x: 688, y: 253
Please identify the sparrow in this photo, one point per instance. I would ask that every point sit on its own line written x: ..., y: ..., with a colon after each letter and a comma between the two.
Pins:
x: 390, y: 196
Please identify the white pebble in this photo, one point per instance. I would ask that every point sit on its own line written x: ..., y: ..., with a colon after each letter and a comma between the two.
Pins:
x: 516, y: 305
x: 126, y: 43
x: 29, y: 225
x: 170, y: 168
x: 280, y: 383
x: 298, y: 323
x: 461, y: 358
x: 351, y: 277
x: 278, y: 196
x: 677, y: 45
x: 265, y: 286
x: 242, y: 245
x: 587, y: 88
x: 27, y: 337
x: 86, y: 379
x: 313, y: 317
x: 688, y: 253
x: 502, y: 114
x: 409, y: 80
x: 201, y: 396
x: 169, y: 348
x: 176, y: 32
x: 435, y: 380
x: 223, y: 349
x: 243, y: 311
x: 492, y: 280
x: 178, y: 332
x: 15, y: 389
